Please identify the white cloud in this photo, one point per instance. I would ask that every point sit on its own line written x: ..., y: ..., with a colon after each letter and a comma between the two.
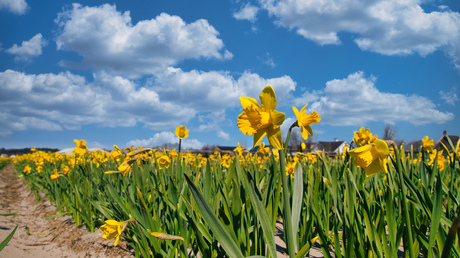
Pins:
x: 215, y: 91
x: 107, y: 40
x: 389, y: 27
x: 248, y: 12
x: 14, y: 6
x: 166, y: 138
x: 64, y: 100
x: 223, y: 135
x: 450, y: 97
x: 28, y: 49
x: 355, y: 101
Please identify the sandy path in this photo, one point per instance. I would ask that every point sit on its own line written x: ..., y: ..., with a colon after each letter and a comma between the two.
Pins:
x: 39, y: 237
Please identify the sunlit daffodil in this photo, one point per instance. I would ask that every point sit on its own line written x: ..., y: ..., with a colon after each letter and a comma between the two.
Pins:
x: 112, y: 229
x: 81, y: 148
x: 181, y: 132
x: 164, y: 161
x: 371, y: 157
x: 262, y: 120
x: 304, y: 120
x: 290, y: 168
x: 363, y: 137
x: 427, y: 143
x: 27, y: 169
x: 55, y: 176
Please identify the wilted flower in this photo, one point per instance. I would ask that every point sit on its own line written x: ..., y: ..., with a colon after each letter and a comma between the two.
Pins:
x: 372, y: 157
x: 262, y: 120
x: 181, y: 132
x: 304, y: 120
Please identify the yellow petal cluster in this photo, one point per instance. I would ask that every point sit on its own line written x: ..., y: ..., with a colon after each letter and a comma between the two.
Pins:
x: 112, y: 229
x: 304, y: 120
x: 181, y: 132
x: 262, y: 120
x: 364, y: 136
x: 371, y: 157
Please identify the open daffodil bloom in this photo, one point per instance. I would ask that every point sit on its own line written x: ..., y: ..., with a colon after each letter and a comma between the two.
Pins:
x: 262, y: 120
x: 304, y: 120
x: 372, y: 157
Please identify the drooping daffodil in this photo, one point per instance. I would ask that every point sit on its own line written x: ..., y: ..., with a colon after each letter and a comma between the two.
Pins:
x: 304, y: 120
x: 262, y: 120
x: 371, y: 157
x: 112, y: 229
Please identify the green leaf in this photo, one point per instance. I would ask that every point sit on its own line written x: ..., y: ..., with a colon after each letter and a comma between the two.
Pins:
x: 7, y: 239
x: 259, y: 207
x: 214, y: 223
x: 297, y: 197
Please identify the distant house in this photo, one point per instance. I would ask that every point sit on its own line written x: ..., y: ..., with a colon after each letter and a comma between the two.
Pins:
x: 453, y: 138
x: 331, y: 148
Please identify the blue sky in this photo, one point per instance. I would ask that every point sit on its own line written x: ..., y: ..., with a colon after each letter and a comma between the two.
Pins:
x: 129, y: 72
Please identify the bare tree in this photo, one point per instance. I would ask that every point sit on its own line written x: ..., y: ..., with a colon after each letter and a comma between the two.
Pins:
x: 294, y: 142
x: 389, y: 133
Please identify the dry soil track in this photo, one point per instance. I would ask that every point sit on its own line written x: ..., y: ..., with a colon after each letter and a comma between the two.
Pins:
x: 39, y: 237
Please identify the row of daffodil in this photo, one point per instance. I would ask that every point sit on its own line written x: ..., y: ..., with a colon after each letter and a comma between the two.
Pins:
x: 369, y: 200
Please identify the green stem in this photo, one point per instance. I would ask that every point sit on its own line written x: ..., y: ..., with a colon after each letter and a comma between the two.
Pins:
x: 405, y: 209
x: 180, y: 141
x: 287, y: 223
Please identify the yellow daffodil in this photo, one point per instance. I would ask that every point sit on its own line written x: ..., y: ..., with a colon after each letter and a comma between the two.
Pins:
x: 112, y: 229
x: 304, y: 120
x: 371, y: 157
x: 81, y: 148
x: 290, y: 168
x: 164, y: 161
x: 27, y: 169
x: 181, y: 132
x: 427, y: 143
x: 262, y: 120
x: 55, y: 176
x: 363, y: 137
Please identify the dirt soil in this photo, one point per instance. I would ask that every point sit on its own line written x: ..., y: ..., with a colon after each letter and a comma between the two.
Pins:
x: 37, y: 236
x: 40, y: 237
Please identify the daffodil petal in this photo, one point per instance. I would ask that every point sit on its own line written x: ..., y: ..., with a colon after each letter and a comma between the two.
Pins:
x: 274, y: 137
x: 258, y: 136
x: 248, y: 102
x: 278, y: 117
x: 268, y: 98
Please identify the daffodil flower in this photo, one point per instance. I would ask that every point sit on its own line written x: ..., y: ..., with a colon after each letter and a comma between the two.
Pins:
x: 363, y: 137
x: 428, y: 143
x: 181, y: 132
x: 112, y: 229
x: 81, y: 148
x: 372, y: 157
x: 164, y: 161
x: 262, y: 120
x: 304, y: 120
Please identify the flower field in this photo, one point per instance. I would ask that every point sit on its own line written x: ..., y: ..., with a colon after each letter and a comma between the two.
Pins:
x: 366, y: 202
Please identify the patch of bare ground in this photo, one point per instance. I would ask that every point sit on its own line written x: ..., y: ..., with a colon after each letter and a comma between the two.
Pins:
x: 37, y: 236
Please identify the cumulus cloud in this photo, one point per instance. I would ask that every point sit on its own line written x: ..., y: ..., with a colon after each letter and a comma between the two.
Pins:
x: 64, y: 100
x: 166, y: 138
x: 14, y: 6
x: 355, y: 100
x: 28, y: 49
x: 107, y: 40
x: 389, y: 27
x: 248, y: 12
